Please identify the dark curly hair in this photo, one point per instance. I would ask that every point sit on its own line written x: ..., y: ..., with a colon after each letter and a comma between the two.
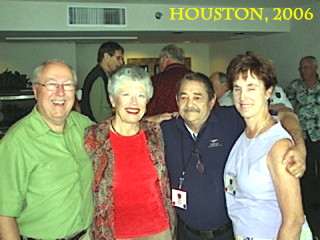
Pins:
x: 197, y: 77
x: 110, y: 48
x: 260, y: 67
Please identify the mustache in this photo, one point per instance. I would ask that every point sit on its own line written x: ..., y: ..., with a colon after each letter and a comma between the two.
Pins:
x: 191, y: 109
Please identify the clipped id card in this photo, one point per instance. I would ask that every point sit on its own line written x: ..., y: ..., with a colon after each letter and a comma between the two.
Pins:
x: 230, y: 183
x: 179, y: 198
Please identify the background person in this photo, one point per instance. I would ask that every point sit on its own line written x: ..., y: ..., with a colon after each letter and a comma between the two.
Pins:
x: 95, y: 102
x: 221, y: 88
x: 171, y: 64
x: 278, y: 96
x: 263, y: 198
x: 131, y: 184
x: 45, y: 173
x: 304, y: 94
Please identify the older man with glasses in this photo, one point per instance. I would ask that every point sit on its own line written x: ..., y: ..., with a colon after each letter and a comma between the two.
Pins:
x: 45, y: 173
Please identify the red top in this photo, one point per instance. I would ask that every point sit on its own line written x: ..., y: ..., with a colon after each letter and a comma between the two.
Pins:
x: 138, y: 208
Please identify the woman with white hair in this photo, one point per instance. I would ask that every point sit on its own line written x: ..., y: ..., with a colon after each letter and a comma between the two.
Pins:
x: 131, y: 186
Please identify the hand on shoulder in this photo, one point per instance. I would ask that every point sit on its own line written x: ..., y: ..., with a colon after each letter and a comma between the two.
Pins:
x: 161, y: 117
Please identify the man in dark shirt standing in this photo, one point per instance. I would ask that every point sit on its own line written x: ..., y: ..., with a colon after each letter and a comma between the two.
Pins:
x: 197, y: 144
x: 171, y: 64
x: 95, y: 102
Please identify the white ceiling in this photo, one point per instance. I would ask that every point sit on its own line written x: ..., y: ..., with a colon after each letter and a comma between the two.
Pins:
x: 142, y: 36
x: 167, y: 36
x: 227, y: 3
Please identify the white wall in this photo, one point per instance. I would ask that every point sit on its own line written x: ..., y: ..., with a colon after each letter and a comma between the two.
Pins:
x: 52, y: 16
x: 87, y: 55
x: 24, y: 57
x: 285, y: 49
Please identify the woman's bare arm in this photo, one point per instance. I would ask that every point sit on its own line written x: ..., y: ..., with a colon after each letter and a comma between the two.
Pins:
x: 288, y: 192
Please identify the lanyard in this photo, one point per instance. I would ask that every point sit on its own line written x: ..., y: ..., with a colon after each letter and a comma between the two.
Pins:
x: 194, y: 151
x: 186, y: 164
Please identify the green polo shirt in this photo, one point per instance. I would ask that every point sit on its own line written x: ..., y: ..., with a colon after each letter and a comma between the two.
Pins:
x: 46, y: 177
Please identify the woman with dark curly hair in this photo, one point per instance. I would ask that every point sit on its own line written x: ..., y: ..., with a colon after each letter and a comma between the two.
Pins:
x: 263, y: 198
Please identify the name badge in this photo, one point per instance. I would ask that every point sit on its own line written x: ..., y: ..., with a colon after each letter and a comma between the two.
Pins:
x: 179, y: 198
x: 230, y: 184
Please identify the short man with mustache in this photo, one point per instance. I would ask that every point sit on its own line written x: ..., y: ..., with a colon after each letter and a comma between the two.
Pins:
x: 196, y: 147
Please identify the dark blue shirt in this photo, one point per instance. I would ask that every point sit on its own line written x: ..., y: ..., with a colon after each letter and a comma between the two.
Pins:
x: 206, y: 206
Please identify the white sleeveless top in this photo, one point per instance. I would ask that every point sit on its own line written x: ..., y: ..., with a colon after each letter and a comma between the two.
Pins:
x: 252, y: 205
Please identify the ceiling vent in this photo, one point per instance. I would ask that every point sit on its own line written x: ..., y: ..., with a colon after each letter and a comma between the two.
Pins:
x: 97, y: 16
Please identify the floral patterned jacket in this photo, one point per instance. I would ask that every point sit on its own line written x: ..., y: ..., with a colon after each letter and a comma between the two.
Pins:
x: 98, y: 146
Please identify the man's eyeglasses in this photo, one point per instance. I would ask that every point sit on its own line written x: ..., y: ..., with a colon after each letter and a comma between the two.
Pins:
x: 54, y: 86
x: 118, y: 57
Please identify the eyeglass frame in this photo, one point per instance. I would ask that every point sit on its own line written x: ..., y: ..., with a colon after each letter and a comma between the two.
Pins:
x: 56, y: 86
x: 118, y: 57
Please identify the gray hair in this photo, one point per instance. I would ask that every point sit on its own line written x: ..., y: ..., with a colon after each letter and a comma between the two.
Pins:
x: 130, y: 72
x: 36, y: 75
x: 173, y: 51
x: 312, y: 58
x: 222, y: 77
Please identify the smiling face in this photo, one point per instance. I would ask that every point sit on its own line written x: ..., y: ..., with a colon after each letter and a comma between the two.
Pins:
x: 250, y: 96
x: 129, y: 102
x: 194, y: 103
x: 54, y: 106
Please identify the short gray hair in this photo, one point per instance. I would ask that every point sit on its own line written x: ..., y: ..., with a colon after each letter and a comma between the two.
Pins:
x: 312, y: 58
x: 222, y: 78
x: 38, y: 71
x: 130, y: 72
x: 173, y: 51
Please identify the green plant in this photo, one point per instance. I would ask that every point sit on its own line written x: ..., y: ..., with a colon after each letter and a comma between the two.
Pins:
x: 10, y: 80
